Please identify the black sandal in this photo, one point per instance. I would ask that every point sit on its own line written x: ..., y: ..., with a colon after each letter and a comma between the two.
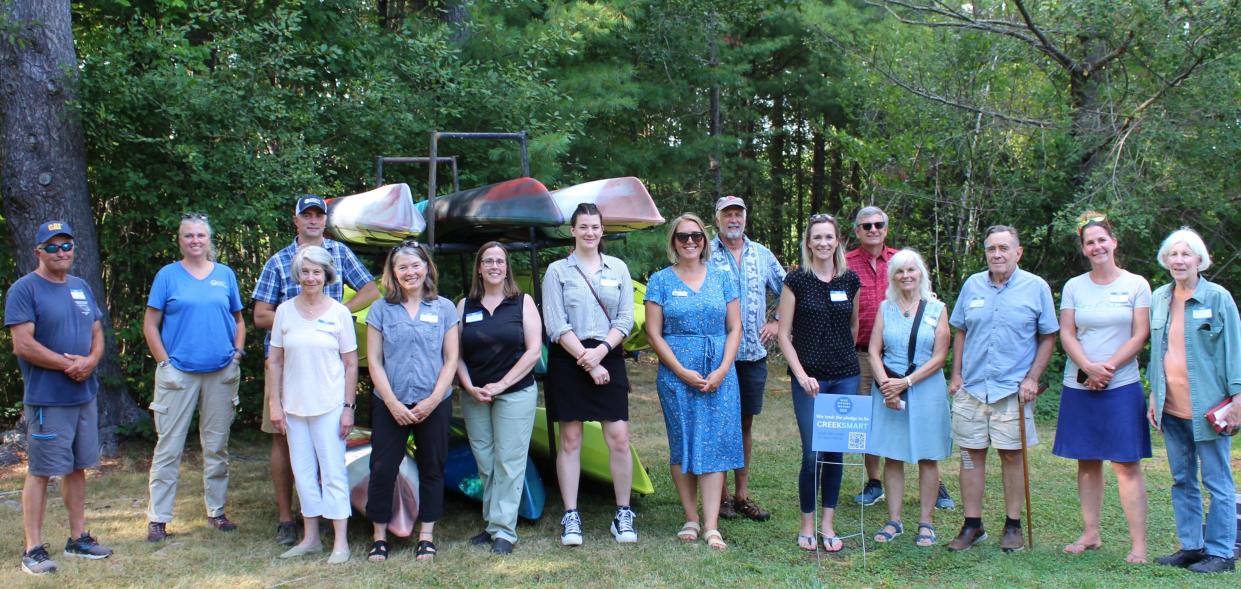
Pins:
x: 378, y: 551
x: 425, y: 548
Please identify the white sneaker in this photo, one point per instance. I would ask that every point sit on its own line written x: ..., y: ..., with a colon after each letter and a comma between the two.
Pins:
x: 571, y: 534
x: 622, y: 526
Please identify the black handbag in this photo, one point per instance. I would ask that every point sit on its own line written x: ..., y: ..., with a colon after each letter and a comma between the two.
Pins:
x: 913, y: 339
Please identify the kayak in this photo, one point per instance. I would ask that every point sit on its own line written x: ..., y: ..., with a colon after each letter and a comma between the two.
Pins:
x: 404, y: 500
x: 506, y: 208
x: 383, y: 216
x: 461, y: 475
x: 636, y: 341
x: 594, y: 453
x: 624, y: 204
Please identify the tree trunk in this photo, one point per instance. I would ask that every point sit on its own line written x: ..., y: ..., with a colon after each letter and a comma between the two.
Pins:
x: 776, y: 157
x: 717, y: 173
x: 43, y: 166
x: 818, y: 163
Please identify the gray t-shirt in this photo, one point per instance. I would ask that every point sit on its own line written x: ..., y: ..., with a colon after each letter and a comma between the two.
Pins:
x: 1103, y: 315
x: 64, y: 316
x: 413, y: 346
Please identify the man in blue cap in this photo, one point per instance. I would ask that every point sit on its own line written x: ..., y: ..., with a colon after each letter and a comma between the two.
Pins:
x: 58, y: 340
x: 277, y: 285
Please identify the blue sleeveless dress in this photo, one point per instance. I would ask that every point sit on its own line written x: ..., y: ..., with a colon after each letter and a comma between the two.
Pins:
x: 923, y: 430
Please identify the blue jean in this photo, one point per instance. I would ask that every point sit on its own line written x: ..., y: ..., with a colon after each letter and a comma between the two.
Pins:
x: 829, y: 474
x: 1184, y: 456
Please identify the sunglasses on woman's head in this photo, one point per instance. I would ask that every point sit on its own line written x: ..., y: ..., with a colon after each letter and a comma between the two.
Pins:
x: 821, y: 217
x: 683, y: 237
x: 194, y: 217
x: 404, y: 244
x: 52, y: 248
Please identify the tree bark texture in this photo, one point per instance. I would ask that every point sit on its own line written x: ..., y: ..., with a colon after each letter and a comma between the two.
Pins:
x: 776, y: 156
x: 43, y: 165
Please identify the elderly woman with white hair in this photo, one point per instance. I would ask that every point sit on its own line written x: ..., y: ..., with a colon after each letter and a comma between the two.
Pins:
x: 1196, y: 365
x: 911, y: 421
x: 312, y: 374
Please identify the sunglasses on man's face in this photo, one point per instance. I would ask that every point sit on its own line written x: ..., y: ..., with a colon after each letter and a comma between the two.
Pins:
x: 875, y: 225
x: 52, y: 248
x: 697, y: 236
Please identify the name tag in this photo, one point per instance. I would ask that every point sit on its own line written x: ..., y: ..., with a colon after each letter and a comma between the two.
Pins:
x: 1202, y: 313
x: 977, y: 303
x: 837, y: 296
x: 608, y: 282
x: 680, y: 293
x: 724, y: 267
x: 1118, y: 298
x: 932, y: 321
x: 433, y: 317
x: 473, y: 317
x: 325, y: 325
x: 218, y: 283
x: 77, y: 295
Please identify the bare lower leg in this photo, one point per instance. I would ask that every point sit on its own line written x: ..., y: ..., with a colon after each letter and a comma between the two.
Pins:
x: 310, y: 525
x: 569, y: 462
x: 894, y: 482
x: 73, y: 493
x: 282, y: 476
x: 1014, y: 482
x: 1132, y: 487
x: 711, y: 486
x: 1090, y: 495
x: 620, y: 459
x: 426, y: 532
x: 686, y: 489
x: 928, y: 489
x: 828, y: 525
x: 973, y: 480
x: 340, y: 535
x: 742, y: 475
x: 807, y: 525
x: 34, y: 503
x: 872, y: 467
x: 379, y: 532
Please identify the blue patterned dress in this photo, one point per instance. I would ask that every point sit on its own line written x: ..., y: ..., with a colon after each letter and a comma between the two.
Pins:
x: 704, y: 429
x: 923, y: 431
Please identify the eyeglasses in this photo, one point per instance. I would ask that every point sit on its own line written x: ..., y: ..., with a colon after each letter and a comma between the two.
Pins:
x: 194, y: 217
x: 408, y: 243
x: 821, y: 217
x: 493, y: 262
x: 52, y: 248
x: 697, y: 236
x: 875, y: 225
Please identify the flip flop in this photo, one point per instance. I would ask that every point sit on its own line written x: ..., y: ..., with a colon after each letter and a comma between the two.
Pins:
x: 833, y: 540
x: 689, y: 532
x: 925, y: 540
x: 884, y: 536
x: 806, y: 543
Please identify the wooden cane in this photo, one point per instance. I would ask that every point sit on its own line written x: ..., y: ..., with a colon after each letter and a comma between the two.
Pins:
x: 1025, y: 468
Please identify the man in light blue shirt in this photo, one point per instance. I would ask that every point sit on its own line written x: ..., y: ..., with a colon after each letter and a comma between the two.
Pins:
x: 755, y: 271
x: 1006, y: 329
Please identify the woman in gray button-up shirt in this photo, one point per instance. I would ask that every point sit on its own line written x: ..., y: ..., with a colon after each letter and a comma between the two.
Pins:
x: 588, y: 313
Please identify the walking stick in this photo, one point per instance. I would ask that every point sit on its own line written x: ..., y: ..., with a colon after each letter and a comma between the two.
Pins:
x: 1025, y: 465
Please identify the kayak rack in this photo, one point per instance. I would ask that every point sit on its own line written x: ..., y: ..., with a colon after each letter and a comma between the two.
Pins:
x: 443, y: 159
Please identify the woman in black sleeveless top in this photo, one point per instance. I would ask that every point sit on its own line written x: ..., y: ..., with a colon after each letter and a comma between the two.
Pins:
x: 500, y: 342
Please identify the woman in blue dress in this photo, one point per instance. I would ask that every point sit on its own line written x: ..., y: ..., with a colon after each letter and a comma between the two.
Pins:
x: 910, y: 419
x: 693, y: 322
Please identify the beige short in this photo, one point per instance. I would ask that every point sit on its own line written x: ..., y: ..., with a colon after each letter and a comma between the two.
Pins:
x: 977, y: 425
x: 867, y: 381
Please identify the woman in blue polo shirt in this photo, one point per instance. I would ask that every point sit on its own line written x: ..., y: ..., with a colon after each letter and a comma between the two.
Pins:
x: 194, y: 330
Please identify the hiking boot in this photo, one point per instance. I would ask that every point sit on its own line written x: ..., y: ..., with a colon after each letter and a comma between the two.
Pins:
x: 37, y: 561
x: 967, y: 539
x: 1213, y: 564
x: 571, y: 528
x: 944, y: 500
x: 622, y: 526
x: 1182, y: 558
x: 751, y: 510
x: 86, y: 546
x: 1012, y: 541
x: 221, y: 523
x: 157, y: 531
x: 286, y: 533
x: 727, y: 509
x: 871, y: 493
x: 482, y: 538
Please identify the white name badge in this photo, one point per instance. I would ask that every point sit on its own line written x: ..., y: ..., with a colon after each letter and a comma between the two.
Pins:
x: 977, y: 303
x: 325, y: 325
x: 680, y: 293
x: 77, y: 295
x: 1202, y: 313
x: 475, y: 316
x: 932, y: 321
x: 429, y: 317
x: 1118, y: 298
x: 837, y: 296
x: 608, y: 282
x: 724, y: 267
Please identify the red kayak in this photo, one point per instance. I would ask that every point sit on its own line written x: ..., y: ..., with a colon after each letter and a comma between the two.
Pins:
x: 504, y: 208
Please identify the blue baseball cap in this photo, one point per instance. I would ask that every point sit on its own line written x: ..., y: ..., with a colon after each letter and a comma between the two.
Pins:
x: 50, y: 229
x: 307, y: 201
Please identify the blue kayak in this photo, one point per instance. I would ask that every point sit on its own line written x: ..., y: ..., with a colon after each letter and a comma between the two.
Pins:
x: 461, y: 475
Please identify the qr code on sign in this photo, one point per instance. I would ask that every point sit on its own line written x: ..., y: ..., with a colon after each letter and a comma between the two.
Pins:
x: 857, y: 440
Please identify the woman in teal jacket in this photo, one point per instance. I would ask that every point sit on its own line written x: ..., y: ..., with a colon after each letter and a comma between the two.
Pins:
x: 1196, y: 363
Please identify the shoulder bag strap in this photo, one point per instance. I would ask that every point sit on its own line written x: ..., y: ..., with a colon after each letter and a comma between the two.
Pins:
x: 913, y: 335
x: 592, y: 291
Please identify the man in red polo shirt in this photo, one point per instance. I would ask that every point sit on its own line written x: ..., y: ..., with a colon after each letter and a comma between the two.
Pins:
x: 870, y: 262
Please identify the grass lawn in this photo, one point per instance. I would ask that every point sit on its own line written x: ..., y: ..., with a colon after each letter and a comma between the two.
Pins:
x: 760, y: 554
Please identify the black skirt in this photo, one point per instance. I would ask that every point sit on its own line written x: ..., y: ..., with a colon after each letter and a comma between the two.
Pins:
x: 573, y: 396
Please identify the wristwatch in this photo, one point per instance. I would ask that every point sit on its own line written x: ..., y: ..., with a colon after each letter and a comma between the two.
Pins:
x: 163, y: 363
x: 351, y: 405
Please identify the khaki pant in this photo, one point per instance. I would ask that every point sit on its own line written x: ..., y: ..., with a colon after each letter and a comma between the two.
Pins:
x: 500, y: 438
x: 176, y: 394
